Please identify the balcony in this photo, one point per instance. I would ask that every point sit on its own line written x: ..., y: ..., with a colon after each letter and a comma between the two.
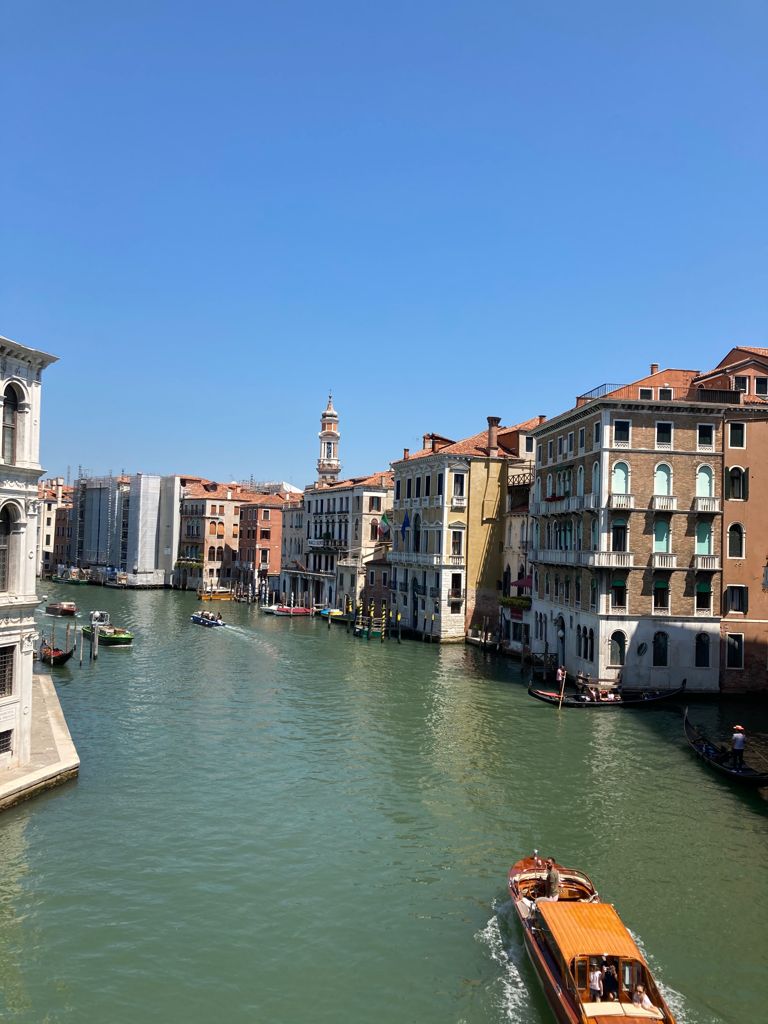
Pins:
x: 434, y: 592
x: 419, y: 589
x: 706, y: 563
x: 414, y: 558
x: 402, y: 586
x: 327, y: 543
x: 625, y: 501
x: 556, y: 556
x: 663, y: 560
x: 455, y: 596
x: 703, y: 612
x: 664, y: 503
x: 458, y: 501
x: 706, y: 504
x: 608, y: 559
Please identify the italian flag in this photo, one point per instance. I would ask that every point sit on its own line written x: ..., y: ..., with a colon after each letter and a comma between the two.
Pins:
x: 384, y: 525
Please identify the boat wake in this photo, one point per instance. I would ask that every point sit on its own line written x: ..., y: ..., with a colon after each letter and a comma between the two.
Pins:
x: 514, y: 1001
x: 253, y: 638
x: 684, y: 1014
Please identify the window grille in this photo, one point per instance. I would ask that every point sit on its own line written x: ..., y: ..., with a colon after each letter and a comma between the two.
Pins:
x: 5, y: 742
x: 6, y: 671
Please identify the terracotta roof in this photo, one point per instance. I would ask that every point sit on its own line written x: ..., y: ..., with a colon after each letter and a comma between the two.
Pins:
x: 670, y: 377
x: 383, y: 479
x: 219, y: 491
x: 730, y: 358
x: 588, y: 929
x: 273, y: 500
x: 476, y: 445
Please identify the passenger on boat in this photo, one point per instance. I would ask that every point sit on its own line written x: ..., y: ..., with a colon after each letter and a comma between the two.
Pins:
x: 738, y: 741
x: 640, y: 998
x: 610, y: 982
x: 595, y: 983
x: 551, y: 882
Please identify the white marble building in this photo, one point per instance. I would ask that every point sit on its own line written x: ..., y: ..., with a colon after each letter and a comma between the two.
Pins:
x: 20, y: 385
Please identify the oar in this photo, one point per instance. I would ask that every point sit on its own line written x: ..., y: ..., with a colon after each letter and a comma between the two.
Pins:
x: 562, y: 691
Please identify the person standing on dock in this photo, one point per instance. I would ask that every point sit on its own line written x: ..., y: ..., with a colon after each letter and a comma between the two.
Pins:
x: 738, y: 742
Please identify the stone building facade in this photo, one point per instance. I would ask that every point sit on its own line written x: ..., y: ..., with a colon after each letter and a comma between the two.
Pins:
x: 628, y: 530
x: 257, y: 569
x: 20, y: 391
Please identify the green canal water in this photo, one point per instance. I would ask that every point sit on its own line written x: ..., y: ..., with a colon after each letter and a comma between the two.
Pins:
x: 279, y: 822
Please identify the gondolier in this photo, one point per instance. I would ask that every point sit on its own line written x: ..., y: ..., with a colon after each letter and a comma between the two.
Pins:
x: 738, y: 742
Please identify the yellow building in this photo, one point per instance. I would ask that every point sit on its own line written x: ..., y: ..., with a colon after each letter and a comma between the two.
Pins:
x: 447, y: 532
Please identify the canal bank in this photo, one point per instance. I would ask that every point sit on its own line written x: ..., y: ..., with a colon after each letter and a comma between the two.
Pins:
x: 54, y: 759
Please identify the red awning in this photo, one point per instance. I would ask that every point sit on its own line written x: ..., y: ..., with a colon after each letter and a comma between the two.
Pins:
x: 525, y: 583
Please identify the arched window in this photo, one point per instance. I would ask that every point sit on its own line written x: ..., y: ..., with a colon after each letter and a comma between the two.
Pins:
x: 219, y: 529
x: 10, y: 424
x: 596, y: 479
x: 578, y: 641
x: 5, y: 549
x: 660, y: 650
x: 703, y: 538
x: 546, y: 584
x: 662, y: 479
x: 618, y: 648
x: 701, y: 651
x: 593, y: 534
x: 620, y: 478
x: 705, y: 482
x: 661, y: 535
x: 736, y: 541
x: 591, y: 651
x: 219, y: 554
x: 580, y: 480
x: 416, y: 533
x: 549, y: 485
x: 577, y: 591
x: 211, y: 554
x: 538, y: 488
x: 736, y: 484
x: 593, y: 595
x: 212, y: 529
x: 375, y: 530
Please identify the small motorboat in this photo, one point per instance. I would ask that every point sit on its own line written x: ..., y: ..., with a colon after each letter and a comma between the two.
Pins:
x: 206, y: 619
x: 718, y: 757
x: 575, y: 934
x: 596, y: 698
x: 61, y: 608
x: 54, y: 655
x: 285, y: 609
x: 109, y: 635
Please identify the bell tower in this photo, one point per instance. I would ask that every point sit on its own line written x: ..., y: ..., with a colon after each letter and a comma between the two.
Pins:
x: 328, y: 465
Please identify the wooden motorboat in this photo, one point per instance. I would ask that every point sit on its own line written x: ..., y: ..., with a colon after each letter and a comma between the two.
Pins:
x: 206, y: 619
x: 109, y: 635
x: 61, y: 608
x: 284, y: 609
x: 607, y: 699
x: 54, y: 655
x: 718, y: 757
x: 573, y: 935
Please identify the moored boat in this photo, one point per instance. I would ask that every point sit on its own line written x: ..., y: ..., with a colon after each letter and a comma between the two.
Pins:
x: 575, y: 936
x: 61, y: 608
x: 206, y: 619
x: 54, y: 655
x: 718, y: 757
x: 284, y: 609
x: 109, y: 635
x: 595, y: 698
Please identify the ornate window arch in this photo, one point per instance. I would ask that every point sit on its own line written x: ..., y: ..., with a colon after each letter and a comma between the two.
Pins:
x: 620, y: 478
x: 10, y: 440
x: 705, y: 481
x: 662, y: 479
x: 211, y: 553
x: 618, y: 649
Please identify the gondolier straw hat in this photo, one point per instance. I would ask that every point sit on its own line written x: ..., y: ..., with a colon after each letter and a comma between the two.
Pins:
x: 739, y: 728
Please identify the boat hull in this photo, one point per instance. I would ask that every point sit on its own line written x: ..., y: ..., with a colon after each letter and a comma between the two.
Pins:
x: 209, y: 623
x: 119, y: 638
x: 577, y: 701
x: 711, y: 754
x: 54, y: 656
x: 62, y: 608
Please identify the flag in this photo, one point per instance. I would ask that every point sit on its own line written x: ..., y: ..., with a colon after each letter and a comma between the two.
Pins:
x: 406, y: 524
x: 384, y: 526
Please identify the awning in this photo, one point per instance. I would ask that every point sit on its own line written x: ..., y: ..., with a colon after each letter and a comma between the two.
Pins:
x: 703, y: 588
x: 661, y: 584
x: 526, y: 583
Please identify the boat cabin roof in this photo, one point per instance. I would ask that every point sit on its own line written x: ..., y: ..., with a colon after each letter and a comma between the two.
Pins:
x: 588, y: 929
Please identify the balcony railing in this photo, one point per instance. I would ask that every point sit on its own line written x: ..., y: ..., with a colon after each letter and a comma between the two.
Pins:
x: 608, y: 559
x: 402, y: 586
x: 331, y: 543
x: 624, y: 501
x: 456, y: 595
x: 458, y: 501
x: 664, y: 503
x: 706, y: 563
x: 703, y: 611
x: 706, y: 504
x: 419, y: 589
x: 663, y: 560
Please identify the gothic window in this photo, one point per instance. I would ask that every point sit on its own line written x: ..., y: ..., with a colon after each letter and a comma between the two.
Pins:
x: 211, y: 554
x: 10, y: 424
x: 660, y: 650
x: 736, y: 541
x: 618, y: 648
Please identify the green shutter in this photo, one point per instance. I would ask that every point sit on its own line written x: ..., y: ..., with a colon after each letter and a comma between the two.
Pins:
x: 661, y: 584
x: 726, y: 482
x: 703, y: 588
x: 745, y: 484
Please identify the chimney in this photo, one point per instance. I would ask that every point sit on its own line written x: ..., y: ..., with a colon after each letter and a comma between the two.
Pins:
x: 542, y: 418
x: 424, y: 440
x: 654, y: 368
x: 435, y: 445
x: 406, y: 452
x: 493, y: 427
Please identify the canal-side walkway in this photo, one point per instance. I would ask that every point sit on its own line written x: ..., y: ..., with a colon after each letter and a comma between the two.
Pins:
x: 54, y: 758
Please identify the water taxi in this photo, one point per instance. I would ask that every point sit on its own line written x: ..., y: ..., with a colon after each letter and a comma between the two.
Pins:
x: 61, y: 608
x: 589, y: 966
x: 206, y: 619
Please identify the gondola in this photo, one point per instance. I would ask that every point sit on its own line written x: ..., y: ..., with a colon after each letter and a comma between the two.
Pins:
x: 717, y: 757
x: 627, y: 699
x: 54, y: 655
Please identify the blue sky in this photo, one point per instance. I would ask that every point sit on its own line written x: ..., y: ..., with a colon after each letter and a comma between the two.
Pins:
x: 212, y: 213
